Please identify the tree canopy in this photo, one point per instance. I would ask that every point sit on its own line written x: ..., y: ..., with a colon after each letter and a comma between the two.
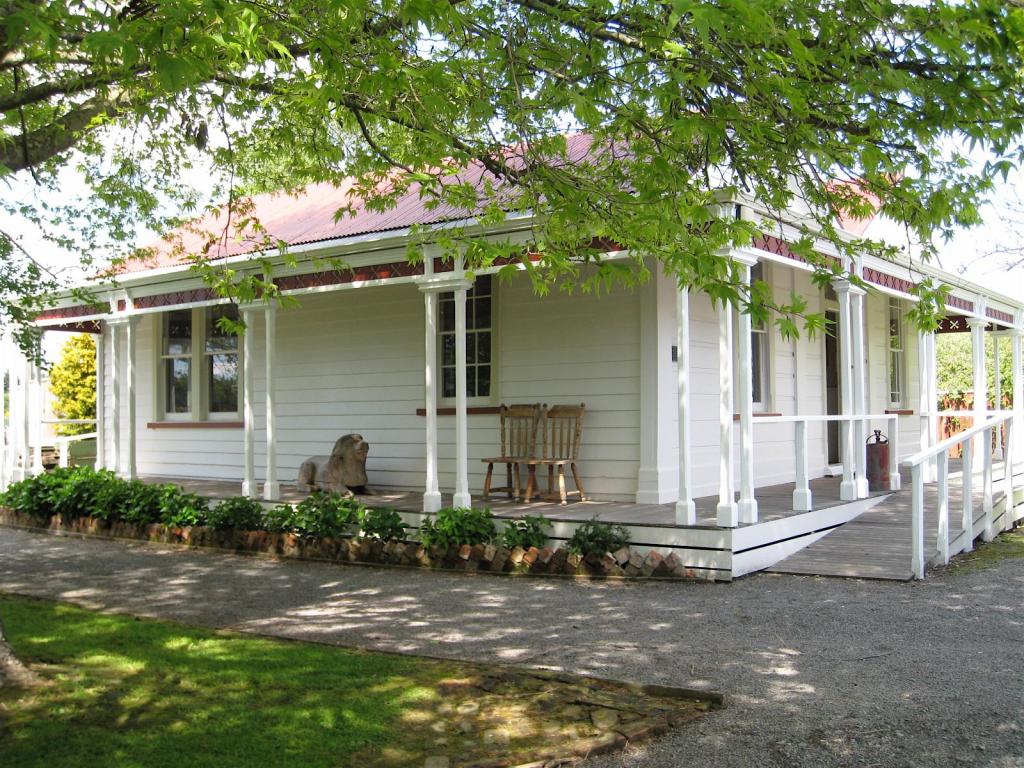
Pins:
x: 73, y: 383
x: 823, y: 107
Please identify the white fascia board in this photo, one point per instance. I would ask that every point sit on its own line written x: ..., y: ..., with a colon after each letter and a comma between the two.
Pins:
x: 368, y: 246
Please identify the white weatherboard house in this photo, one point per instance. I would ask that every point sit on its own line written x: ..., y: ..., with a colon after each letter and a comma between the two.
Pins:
x: 723, y: 442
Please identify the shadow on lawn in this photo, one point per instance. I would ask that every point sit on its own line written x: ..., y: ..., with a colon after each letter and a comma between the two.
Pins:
x: 123, y: 691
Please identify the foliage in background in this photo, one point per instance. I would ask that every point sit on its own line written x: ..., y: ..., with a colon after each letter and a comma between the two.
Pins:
x: 528, y: 531
x: 73, y: 384
x: 595, y: 538
x: 687, y: 103
x: 458, y: 526
x: 955, y: 367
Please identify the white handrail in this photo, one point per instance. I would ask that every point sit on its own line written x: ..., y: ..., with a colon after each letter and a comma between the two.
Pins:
x: 954, y: 440
x: 802, y: 496
x: 940, y: 451
x: 67, y: 421
x: 66, y: 440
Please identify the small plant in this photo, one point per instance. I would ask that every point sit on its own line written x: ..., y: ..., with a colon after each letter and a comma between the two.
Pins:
x: 526, y: 532
x: 180, y: 509
x: 279, y: 519
x: 384, y: 524
x: 325, y: 515
x: 595, y: 538
x: 237, y: 512
x: 458, y: 526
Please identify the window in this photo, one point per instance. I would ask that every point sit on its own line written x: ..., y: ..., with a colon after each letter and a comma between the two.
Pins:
x: 895, y: 353
x: 479, y: 339
x: 221, y: 360
x: 760, y: 361
x: 199, y: 364
x: 177, y: 361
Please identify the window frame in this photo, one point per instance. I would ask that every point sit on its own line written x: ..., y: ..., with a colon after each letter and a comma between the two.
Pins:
x: 476, y: 400
x: 766, y: 369
x: 199, y: 386
x: 900, y: 368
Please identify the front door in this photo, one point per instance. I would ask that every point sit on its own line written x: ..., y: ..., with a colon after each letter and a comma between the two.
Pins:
x: 832, y: 383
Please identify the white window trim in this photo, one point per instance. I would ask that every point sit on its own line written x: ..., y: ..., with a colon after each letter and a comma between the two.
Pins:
x: 471, y: 402
x: 199, y: 387
x: 902, y: 369
x: 768, y: 362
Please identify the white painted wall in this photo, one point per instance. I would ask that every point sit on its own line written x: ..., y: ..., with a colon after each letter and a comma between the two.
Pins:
x: 352, y: 361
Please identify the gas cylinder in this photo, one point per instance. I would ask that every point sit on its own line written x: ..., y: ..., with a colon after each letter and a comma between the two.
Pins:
x: 878, y: 462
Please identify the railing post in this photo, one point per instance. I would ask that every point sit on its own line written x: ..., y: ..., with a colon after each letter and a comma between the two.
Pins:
x: 917, y: 523
x: 1008, y: 476
x: 802, y: 491
x: 986, y: 483
x: 63, y: 449
x: 942, y: 534
x: 967, y: 481
x: 895, y: 481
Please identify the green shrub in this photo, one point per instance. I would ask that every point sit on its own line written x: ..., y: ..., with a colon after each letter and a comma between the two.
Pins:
x: 595, y: 537
x: 383, y: 524
x: 180, y: 509
x: 237, y: 512
x: 526, y: 532
x: 279, y: 519
x: 325, y: 515
x: 458, y: 526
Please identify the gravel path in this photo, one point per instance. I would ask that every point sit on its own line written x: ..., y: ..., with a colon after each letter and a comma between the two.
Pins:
x: 818, y: 672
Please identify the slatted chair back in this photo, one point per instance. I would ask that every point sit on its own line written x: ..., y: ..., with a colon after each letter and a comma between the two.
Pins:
x: 519, y: 424
x: 562, y: 430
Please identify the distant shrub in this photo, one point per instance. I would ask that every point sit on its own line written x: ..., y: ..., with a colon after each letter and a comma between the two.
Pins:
x: 237, y: 512
x: 526, y: 532
x: 595, y: 537
x: 458, y: 526
x: 384, y: 524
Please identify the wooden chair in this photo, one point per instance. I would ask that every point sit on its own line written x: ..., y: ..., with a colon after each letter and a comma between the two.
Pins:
x: 519, y: 425
x: 562, y: 428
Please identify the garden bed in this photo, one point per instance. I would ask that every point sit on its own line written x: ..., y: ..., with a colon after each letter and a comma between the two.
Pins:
x: 325, y: 527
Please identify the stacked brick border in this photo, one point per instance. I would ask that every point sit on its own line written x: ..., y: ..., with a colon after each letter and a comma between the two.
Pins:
x: 478, y: 558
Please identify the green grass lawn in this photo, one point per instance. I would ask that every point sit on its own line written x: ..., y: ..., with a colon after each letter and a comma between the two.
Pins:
x: 126, y: 692
x: 1006, y: 544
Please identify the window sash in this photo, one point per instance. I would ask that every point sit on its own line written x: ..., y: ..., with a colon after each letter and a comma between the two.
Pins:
x: 479, y: 341
x: 895, y: 357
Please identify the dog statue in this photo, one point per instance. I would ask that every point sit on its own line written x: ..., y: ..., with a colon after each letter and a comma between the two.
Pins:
x: 343, y: 472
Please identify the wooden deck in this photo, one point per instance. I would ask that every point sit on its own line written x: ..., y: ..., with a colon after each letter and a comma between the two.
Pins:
x: 774, y: 502
x: 877, y: 543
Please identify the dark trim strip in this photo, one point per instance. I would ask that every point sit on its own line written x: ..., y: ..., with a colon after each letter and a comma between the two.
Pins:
x: 481, y: 410
x: 195, y: 425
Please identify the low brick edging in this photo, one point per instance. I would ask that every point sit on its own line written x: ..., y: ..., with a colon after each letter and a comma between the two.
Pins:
x: 477, y: 558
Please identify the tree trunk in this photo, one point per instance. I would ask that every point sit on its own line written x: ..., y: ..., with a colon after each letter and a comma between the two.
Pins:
x: 12, y: 672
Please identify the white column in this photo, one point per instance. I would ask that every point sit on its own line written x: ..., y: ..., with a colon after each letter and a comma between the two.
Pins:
x: 271, y: 488
x: 848, y: 486
x: 933, y: 398
x: 659, y: 329
x: 1017, y: 393
x: 997, y: 395
x: 747, y: 508
x: 686, y: 511
x: 248, y: 404
x: 130, y: 375
x: 101, y: 398
x: 5, y: 404
x: 859, y: 375
x: 928, y: 399
x: 114, y: 462
x: 18, y: 447
x: 727, y: 511
x: 35, y: 427
x: 432, y: 491
x: 977, y: 325
x: 461, y: 497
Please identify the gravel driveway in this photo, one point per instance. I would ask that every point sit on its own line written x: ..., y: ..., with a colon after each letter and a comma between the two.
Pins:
x: 818, y: 672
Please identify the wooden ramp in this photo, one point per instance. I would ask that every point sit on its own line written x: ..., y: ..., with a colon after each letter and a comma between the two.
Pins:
x: 877, y: 543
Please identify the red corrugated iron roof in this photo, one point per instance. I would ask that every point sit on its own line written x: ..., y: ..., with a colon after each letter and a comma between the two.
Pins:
x: 319, y: 213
